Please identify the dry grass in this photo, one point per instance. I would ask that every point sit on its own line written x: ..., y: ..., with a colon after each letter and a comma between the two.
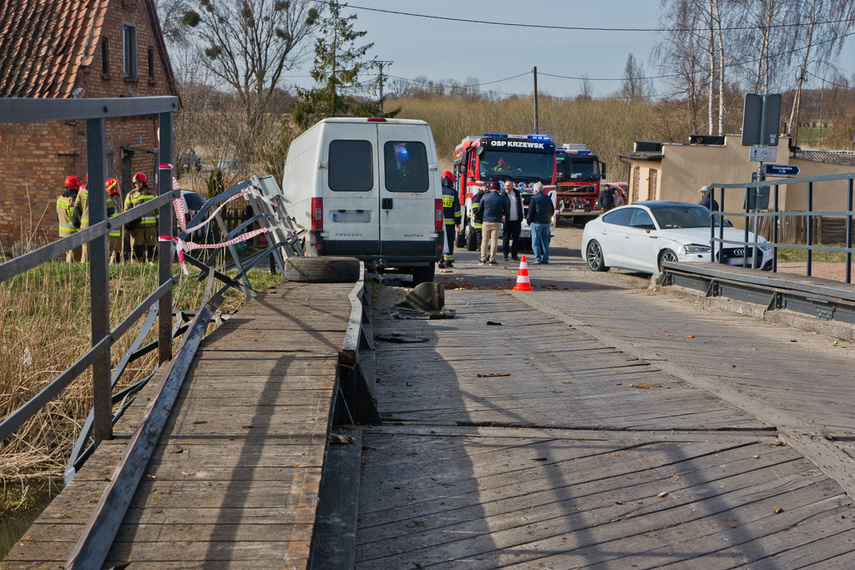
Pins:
x: 45, y: 319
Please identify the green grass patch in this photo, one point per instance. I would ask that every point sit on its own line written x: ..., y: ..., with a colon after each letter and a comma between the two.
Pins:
x: 797, y: 254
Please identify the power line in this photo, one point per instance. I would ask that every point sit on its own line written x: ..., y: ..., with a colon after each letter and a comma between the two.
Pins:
x: 577, y: 28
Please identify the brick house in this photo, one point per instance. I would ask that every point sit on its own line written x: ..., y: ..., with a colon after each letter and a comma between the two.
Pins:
x: 74, y: 49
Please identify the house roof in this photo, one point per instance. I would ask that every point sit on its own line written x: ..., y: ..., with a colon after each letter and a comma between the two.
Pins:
x: 45, y: 45
x: 845, y: 157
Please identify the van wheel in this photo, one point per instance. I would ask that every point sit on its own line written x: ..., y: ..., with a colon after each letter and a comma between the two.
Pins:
x: 472, y: 240
x: 423, y: 274
x: 322, y: 269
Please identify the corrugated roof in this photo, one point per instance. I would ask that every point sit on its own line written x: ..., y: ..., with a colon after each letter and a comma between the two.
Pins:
x: 45, y: 43
x: 828, y: 156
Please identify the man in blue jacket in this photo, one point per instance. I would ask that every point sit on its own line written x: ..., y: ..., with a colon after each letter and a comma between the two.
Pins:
x: 539, y: 216
x: 493, y: 210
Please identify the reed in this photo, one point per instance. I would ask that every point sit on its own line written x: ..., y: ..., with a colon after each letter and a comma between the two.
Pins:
x: 45, y: 322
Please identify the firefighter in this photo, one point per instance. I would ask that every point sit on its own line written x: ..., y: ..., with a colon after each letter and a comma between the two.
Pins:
x: 452, y: 215
x: 68, y: 220
x: 143, y: 230
x: 477, y: 218
x: 81, y: 207
x: 115, y: 242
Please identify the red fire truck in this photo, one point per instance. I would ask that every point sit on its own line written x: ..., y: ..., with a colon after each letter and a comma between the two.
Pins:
x: 522, y: 159
x: 579, y: 177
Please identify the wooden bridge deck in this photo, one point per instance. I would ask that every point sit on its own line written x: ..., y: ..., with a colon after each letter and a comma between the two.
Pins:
x: 234, y: 478
x: 607, y: 429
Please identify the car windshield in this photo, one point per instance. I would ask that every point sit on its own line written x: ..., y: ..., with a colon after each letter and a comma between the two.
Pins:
x: 687, y: 216
x: 519, y: 166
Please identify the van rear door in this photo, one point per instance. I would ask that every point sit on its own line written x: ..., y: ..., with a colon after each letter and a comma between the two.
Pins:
x: 352, y: 204
x: 408, y: 191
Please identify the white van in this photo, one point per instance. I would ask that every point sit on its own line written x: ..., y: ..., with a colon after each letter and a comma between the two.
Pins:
x: 370, y: 189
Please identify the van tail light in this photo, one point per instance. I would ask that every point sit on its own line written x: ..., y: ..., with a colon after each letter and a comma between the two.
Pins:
x: 317, y: 213
x: 438, y: 223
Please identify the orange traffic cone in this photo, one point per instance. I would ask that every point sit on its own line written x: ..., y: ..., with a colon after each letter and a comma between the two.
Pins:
x: 523, y: 283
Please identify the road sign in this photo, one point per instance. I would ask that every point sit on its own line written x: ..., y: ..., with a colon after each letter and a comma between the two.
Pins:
x: 763, y: 154
x: 782, y: 170
x: 761, y: 119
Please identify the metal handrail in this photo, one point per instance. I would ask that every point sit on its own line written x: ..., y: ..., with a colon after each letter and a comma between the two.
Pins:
x: 776, y: 214
x: 95, y: 112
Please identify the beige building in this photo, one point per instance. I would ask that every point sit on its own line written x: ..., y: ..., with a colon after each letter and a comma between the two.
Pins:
x: 675, y: 171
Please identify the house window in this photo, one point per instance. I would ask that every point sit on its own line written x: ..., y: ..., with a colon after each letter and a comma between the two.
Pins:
x: 150, y: 64
x: 105, y: 56
x: 129, y: 50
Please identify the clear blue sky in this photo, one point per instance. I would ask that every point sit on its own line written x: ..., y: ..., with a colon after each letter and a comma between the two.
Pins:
x: 459, y: 50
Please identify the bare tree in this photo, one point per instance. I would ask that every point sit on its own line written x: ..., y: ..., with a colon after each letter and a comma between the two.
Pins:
x: 635, y: 86
x: 170, y: 14
x: 249, y: 44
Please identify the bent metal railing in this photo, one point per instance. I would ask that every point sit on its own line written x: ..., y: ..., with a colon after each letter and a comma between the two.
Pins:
x: 96, y: 112
x: 752, y: 194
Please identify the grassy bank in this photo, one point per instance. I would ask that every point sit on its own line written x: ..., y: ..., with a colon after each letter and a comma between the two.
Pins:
x: 45, y: 322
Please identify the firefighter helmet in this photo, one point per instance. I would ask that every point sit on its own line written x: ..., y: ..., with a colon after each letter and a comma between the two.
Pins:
x: 139, y: 177
x: 112, y: 185
x: 448, y: 175
x: 73, y: 183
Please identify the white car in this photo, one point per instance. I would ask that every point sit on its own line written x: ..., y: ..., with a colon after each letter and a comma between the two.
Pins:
x: 643, y: 235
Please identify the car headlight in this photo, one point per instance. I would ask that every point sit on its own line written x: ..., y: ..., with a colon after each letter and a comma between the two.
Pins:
x: 765, y: 248
x: 696, y: 248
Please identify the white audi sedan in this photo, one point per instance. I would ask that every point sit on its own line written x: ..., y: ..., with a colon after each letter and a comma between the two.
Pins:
x: 642, y: 235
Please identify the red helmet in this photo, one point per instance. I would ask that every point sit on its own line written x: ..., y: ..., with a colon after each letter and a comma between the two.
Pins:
x: 139, y: 177
x: 73, y: 183
x: 449, y: 175
x: 112, y: 185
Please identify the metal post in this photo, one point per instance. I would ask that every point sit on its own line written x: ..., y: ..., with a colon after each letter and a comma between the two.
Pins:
x: 536, y: 126
x: 164, y: 249
x: 98, y: 278
x: 775, y: 234
x: 721, y: 226
x: 809, y: 228
x: 849, y: 233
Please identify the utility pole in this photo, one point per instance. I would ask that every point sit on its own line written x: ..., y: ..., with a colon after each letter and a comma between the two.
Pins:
x: 536, y: 131
x: 380, y: 65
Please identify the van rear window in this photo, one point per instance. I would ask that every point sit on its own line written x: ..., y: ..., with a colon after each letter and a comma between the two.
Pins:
x: 406, y: 166
x: 351, y: 166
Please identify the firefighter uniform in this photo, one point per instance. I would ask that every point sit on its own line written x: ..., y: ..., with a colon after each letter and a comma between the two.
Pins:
x: 81, y: 207
x: 68, y: 221
x: 115, y: 241
x: 477, y: 218
x: 144, y: 230
x: 451, y: 214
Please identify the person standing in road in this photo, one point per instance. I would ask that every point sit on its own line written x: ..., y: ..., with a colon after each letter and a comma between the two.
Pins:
x: 144, y: 229
x: 494, y: 210
x: 539, y: 217
x: 607, y: 201
x: 513, y: 223
x: 451, y: 215
x: 66, y: 215
x: 707, y: 199
x: 618, y: 199
x: 115, y: 243
x: 477, y: 218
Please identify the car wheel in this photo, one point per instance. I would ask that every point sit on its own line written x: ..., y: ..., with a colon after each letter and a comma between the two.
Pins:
x: 460, y: 240
x: 594, y: 256
x: 472, y: 240
x: 666, y: 255
x: 322, y: 269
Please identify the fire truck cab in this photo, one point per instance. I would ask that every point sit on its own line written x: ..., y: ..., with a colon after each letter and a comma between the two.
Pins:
x: 480, y: 160
x: 579, y: 177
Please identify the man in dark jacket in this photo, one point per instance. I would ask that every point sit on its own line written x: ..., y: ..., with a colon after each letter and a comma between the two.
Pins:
x: 451, y: 215
x: 707, y: 199
x: 513, y: 223
x: 539, y: 217
x: 477, y: 220
x: 494, y: 210
x: 607, y: 199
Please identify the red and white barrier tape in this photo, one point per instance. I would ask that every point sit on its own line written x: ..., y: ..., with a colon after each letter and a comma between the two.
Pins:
x: 182, y: 246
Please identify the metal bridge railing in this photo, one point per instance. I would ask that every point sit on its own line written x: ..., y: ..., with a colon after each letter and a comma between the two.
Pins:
x: 755, y: 193
x: 96, y: 112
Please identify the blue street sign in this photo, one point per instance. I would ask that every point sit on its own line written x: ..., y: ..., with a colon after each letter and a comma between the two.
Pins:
x: 782, y: 170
